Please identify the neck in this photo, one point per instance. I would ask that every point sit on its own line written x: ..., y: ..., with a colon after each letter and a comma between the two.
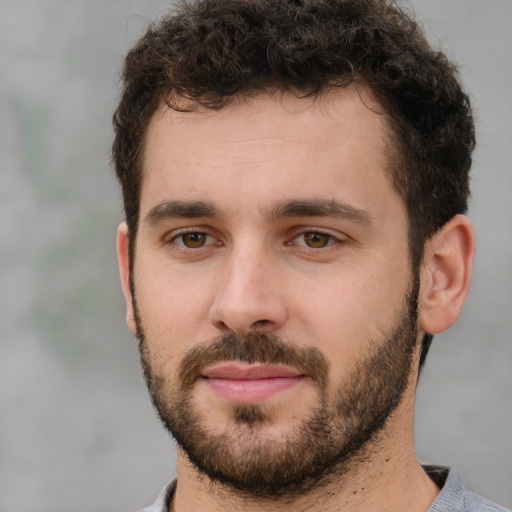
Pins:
x: 381, y: 479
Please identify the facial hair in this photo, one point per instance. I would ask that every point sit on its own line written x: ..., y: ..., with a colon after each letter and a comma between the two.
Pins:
x: 328, y: 441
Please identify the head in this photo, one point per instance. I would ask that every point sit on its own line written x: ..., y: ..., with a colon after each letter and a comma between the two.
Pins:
x: 214, y: 51
x: 225, y: 62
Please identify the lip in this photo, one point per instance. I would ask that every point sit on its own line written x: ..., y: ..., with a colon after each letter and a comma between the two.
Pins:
x: 245, y: 384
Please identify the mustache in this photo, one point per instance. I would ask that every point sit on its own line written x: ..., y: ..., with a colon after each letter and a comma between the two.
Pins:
x: 253, y: 348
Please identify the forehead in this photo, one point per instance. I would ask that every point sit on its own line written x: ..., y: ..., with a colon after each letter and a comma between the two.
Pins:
x: 276, y: 144
x: 341, y: 108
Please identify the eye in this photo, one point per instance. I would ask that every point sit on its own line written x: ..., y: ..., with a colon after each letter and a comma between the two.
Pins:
x: 315, y: 239
x: 193, y: 240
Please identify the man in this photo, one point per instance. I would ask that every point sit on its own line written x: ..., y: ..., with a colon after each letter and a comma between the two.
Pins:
x: 295, y: 178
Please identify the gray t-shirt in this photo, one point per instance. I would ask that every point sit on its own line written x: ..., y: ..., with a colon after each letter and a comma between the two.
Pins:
x: 452, y: 498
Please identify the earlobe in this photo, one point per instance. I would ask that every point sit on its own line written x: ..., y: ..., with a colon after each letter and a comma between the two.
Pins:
x: 123, y: 258
x: 446, y: 275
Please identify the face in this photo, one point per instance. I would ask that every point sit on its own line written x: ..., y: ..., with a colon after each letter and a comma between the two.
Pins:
x: 274, y: 301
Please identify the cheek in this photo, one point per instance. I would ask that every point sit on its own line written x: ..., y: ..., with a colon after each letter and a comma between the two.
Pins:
x: 345, y: 312
x: 173, y: 307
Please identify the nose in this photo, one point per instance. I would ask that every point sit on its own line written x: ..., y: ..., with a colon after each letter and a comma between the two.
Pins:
x: 248, y: 296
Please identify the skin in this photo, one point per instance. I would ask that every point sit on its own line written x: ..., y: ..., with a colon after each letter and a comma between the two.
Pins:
x: 255, y: 270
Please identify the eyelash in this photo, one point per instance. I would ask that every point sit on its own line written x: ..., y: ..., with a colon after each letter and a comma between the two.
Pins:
x: 178, y: 243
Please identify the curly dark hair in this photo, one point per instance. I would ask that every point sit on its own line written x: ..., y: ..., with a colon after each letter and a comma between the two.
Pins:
x: 212, y: 51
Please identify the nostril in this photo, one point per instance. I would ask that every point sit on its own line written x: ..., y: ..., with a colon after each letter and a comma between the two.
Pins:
x: 261, y: 323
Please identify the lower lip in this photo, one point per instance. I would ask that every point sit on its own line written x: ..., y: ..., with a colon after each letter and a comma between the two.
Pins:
x: 251, y: 390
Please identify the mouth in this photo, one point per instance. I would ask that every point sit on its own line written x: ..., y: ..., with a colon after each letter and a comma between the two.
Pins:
x: 250, y: 383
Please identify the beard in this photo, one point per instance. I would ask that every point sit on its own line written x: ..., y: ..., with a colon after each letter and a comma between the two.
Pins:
x: 331, y: 440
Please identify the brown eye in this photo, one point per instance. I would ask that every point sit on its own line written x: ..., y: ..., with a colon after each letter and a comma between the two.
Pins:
x: 193, y: 240
x: 316, y: 240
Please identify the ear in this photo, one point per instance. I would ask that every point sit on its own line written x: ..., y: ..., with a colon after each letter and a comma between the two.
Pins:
x: 446, y: 275
x: 123, y: 258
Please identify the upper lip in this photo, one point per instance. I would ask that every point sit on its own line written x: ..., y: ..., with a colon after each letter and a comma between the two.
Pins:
x: 244, y: 371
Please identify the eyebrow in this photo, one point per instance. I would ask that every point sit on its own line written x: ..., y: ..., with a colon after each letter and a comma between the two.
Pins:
x: 321, y: 208
x: 180, y: 209
x: 300, y: 208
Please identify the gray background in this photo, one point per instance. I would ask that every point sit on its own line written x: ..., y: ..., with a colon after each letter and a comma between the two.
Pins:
x: 77, y: 431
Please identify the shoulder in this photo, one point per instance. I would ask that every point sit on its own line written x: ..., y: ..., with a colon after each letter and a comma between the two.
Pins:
x: 163, y: 500
x: 454, y: 497
x: 475, y: 503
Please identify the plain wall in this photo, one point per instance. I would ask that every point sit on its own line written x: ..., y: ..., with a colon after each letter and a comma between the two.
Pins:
x: 77, y: 431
